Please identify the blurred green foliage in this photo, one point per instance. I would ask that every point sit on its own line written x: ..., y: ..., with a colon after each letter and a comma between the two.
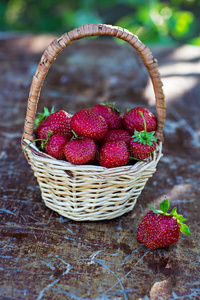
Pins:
x: 162, y: 22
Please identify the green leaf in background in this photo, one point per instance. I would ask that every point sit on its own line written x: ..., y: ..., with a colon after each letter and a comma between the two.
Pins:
x: 195, y: 41
x: 160, y: 22
x: 181, y: 24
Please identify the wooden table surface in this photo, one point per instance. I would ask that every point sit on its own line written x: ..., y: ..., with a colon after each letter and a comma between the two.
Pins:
x: 46, y: 256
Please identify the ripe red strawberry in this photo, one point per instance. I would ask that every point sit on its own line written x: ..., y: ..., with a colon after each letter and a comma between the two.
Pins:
x: 56, y: 122
x: 86, y: 123
x: 80, y: 151
x: 132, y: 120
x: 56, y: 144
x: 113, y: 154
x: 116, y: 135
x: 142, y: 143
x: 112, y: 115
x: 160, y: 229
x: 141, y: 151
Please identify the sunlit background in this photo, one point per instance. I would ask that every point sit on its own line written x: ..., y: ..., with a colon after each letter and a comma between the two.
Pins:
x: 169, y: 22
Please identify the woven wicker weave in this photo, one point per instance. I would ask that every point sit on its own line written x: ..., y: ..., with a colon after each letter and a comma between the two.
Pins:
x: 89, y: 192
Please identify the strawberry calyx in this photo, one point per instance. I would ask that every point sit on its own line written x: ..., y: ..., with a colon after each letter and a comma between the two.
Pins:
x: 144, y: 137
x: 43, y: 116
x: 112, y: 106
x: 164, y: 207
x: 76, y: 137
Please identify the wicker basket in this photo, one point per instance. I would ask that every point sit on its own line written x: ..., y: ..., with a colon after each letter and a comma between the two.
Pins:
x: 89, y: 192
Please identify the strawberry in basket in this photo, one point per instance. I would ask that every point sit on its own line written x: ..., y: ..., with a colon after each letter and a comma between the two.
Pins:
x: 116, y: 134
x: 114, y: 154
x: 86, y: 123
x: 55, y: 122
x: 55, y: 146
x: 133, y: 120
x: 79, y: 151
x: 110, y: 113
x: 143, y: 143
x: 160, y: 229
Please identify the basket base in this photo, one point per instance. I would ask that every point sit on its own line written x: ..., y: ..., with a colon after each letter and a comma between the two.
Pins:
x: 95, y: 216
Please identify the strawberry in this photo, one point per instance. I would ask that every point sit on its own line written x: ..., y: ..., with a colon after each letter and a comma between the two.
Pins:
x: 132, y: 120
x: 113, y: 154
x: 80, y: 151
x: 56, y: 144
x: 86, y: 123
x: 142, y: 143
x: 111, y: 114
x: 160, y: 229
x: 55, y: 122
x: 116, y: 135
x: 140, y: 151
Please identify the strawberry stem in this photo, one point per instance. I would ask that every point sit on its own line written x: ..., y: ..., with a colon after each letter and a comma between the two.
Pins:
x: 131, y: 157
x: 145, y: 125
x: 75, y: 135
x: 44, y: 142
x: 144, y: 137
x: 37, y: 140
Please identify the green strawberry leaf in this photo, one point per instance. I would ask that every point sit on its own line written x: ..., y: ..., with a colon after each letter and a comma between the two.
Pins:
x: 52, y: 110
x: 180, y: 218
x: 152, y: 137
x: 37, y: 122
x: 46, y: 112
x: 164, y: 206
x: 143, y: 137
x: 154, y: 210
x: 42, y: 116
x: 109, y: 104
x: 184, y: 229
x: 173, y: 212
x: 112, y: 106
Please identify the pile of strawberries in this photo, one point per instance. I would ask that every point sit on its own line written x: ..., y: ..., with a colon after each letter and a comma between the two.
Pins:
x: 101, y: 135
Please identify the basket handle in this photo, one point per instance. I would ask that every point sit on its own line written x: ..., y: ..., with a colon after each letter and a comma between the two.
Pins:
x: 86, y: 30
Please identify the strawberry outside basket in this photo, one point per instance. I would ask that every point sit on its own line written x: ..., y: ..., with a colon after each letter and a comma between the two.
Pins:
x: 89, y: 192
